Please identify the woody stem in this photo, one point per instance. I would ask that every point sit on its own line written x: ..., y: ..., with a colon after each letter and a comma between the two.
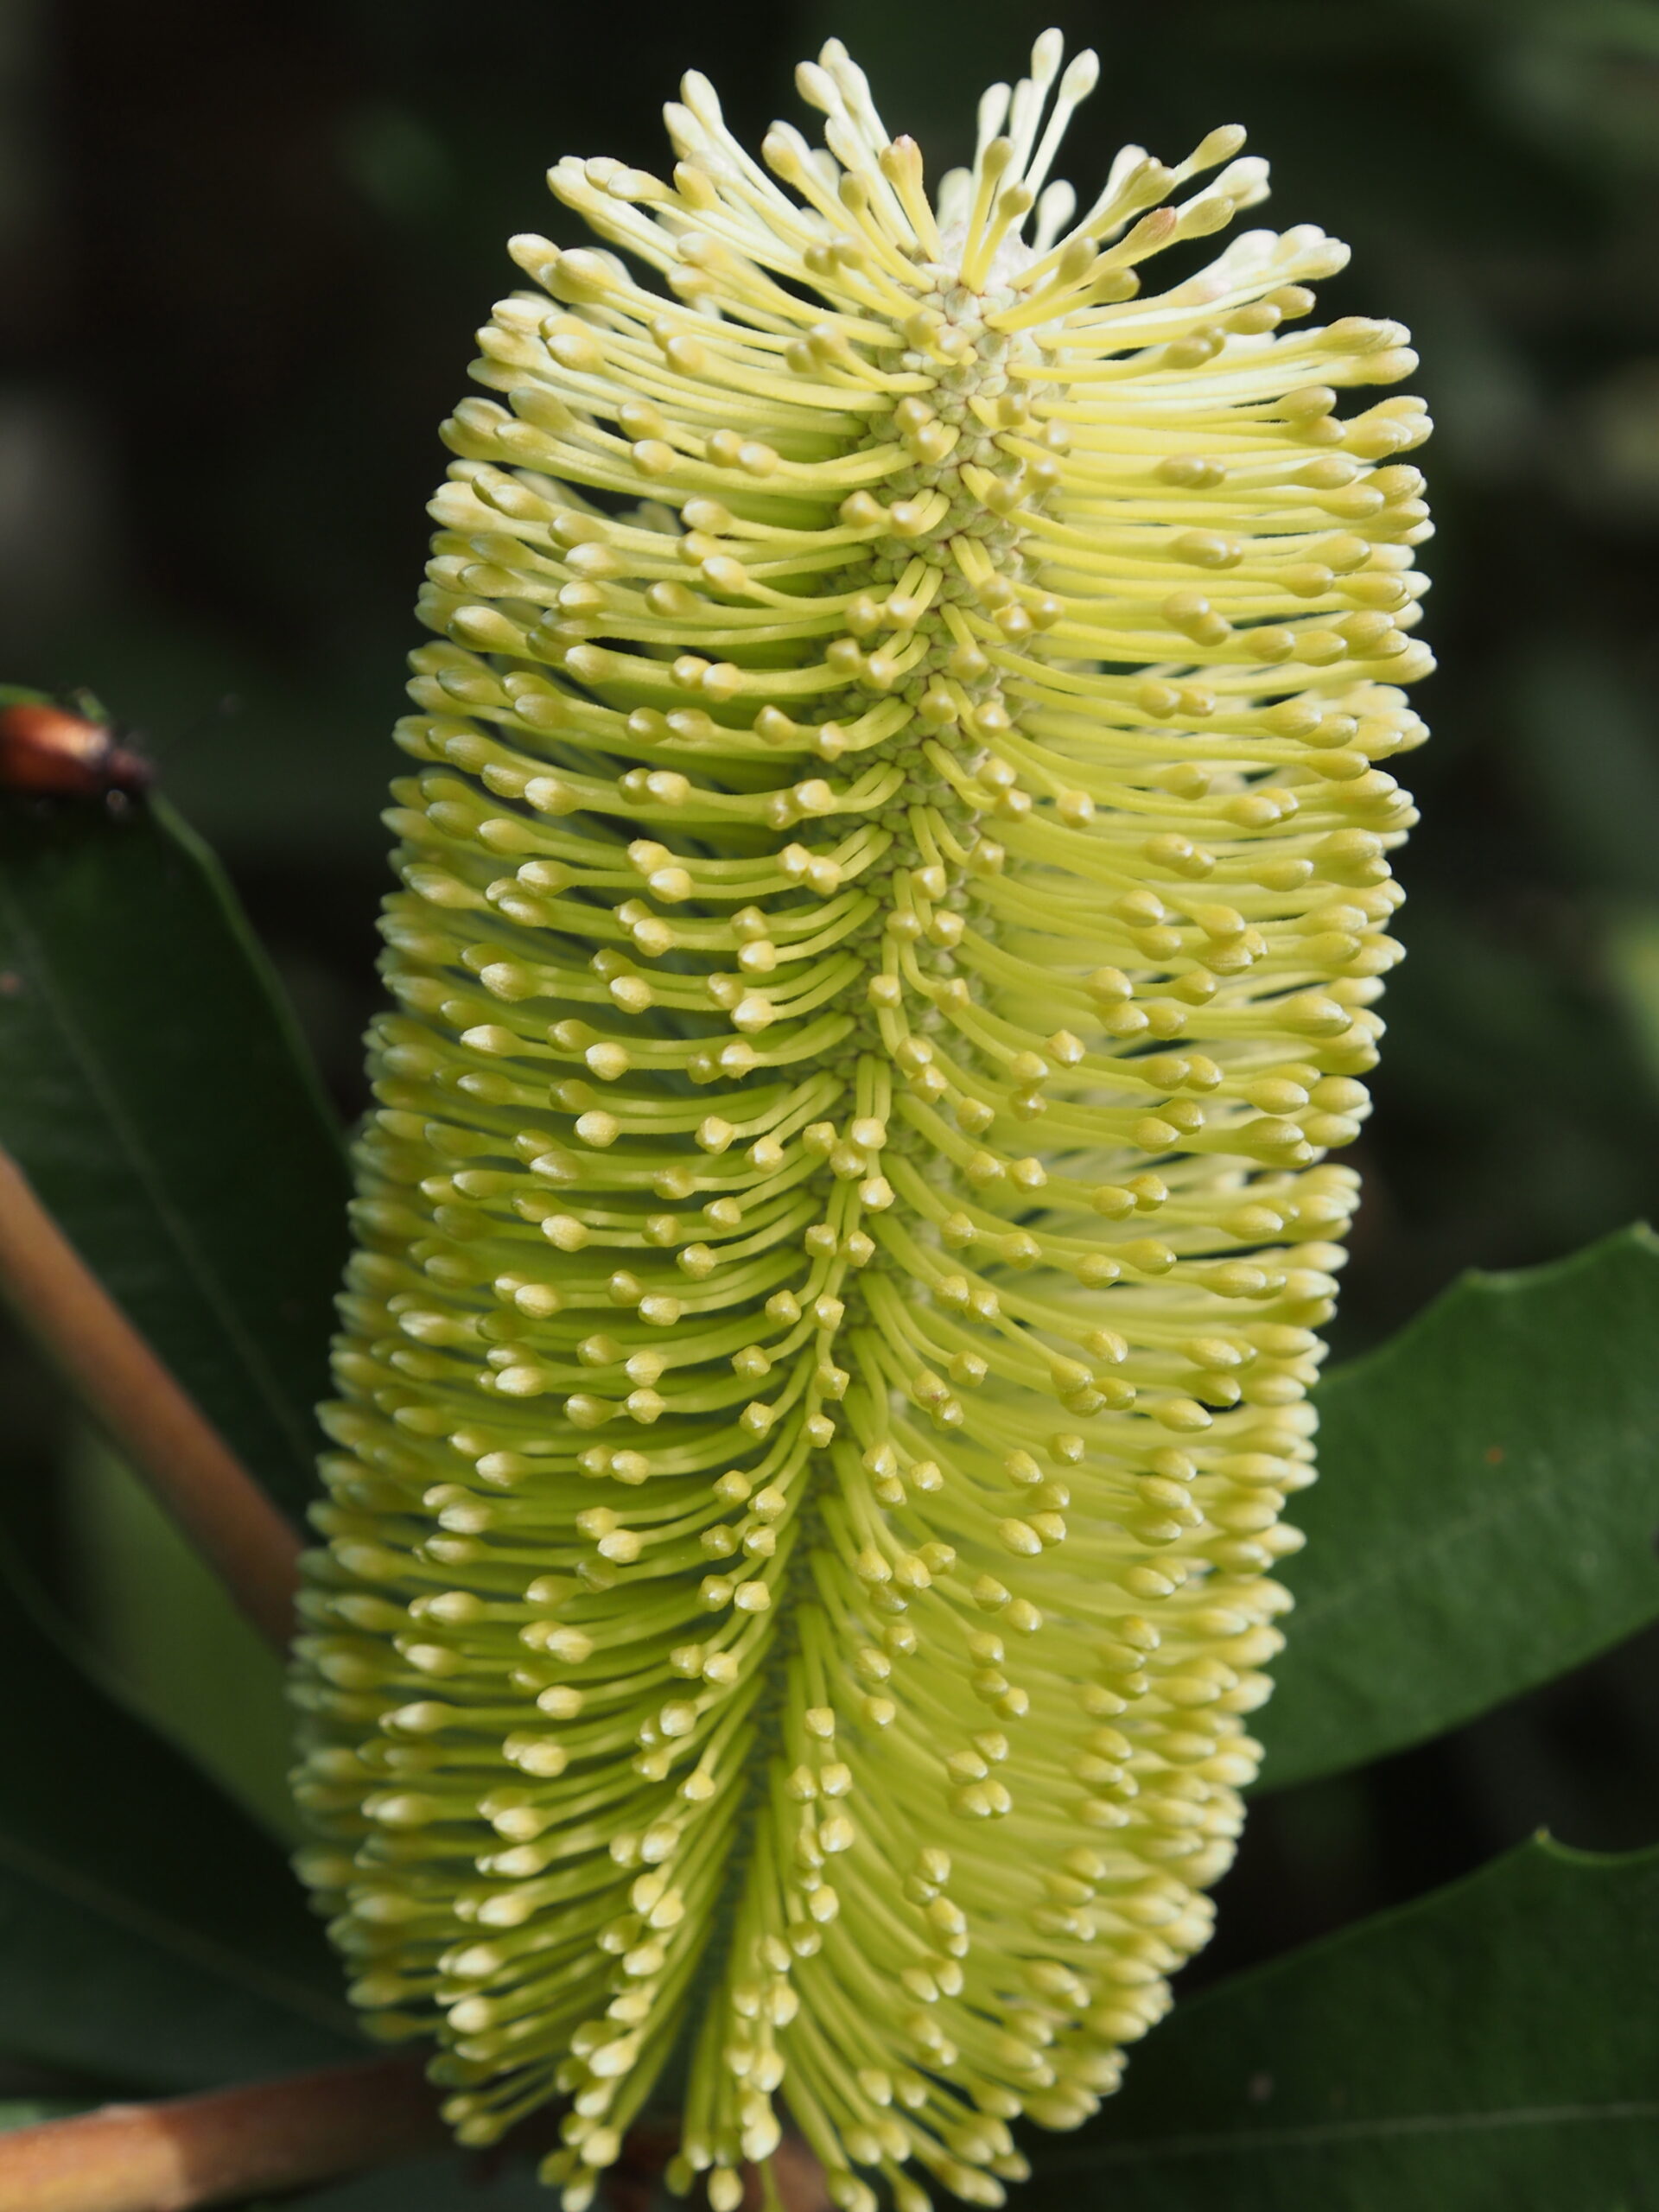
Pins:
x: 204, y: 2150
x: 146, y: 1414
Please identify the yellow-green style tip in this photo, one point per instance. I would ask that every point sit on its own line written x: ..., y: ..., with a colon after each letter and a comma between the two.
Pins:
x: 894, y: 882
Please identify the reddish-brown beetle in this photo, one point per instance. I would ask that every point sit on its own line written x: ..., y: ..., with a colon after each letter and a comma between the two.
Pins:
x: 49, y: 751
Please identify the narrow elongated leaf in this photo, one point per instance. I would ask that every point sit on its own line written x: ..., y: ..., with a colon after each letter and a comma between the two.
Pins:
x: 152, y: 1935
x: 1485, y: 1514
x: 1493, y: 2046
x: 161, y: 1623
x: 94, y: 1987
x: 158, y: 1098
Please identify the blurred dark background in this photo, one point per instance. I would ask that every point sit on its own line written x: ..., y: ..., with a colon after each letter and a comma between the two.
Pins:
x: 242, y: 251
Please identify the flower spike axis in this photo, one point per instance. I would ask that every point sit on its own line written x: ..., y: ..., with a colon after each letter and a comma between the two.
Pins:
x: 894, y: 889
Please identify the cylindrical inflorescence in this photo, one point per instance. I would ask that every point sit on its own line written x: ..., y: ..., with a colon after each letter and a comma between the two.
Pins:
x: 894, y: 882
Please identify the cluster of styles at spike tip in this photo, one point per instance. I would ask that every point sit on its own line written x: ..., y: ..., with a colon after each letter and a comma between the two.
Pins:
x: 894, y: 880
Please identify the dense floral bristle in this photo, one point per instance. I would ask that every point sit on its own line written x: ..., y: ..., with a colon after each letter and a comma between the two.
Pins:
x: 894, y: 889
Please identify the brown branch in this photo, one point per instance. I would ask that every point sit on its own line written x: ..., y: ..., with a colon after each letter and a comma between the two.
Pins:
x: 157, y: 1427
x: 198, y: 2150
x: 195, y: 2152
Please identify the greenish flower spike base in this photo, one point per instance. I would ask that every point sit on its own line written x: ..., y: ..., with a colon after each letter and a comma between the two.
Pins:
x: 894, y: 875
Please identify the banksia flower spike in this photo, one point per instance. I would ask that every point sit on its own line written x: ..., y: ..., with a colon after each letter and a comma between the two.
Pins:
x: 894, y: 882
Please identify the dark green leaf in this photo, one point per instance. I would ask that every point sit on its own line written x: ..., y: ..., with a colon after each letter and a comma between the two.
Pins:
x: 153, y: 1937
x: 160, y: 1622
x: 95, y: 1986
x: 1493, y: 2046
x: 158, y: 1098
x: 1485, y: 1512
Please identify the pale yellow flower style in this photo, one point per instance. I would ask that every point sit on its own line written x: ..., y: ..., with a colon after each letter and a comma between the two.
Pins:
x: 894, y: 883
